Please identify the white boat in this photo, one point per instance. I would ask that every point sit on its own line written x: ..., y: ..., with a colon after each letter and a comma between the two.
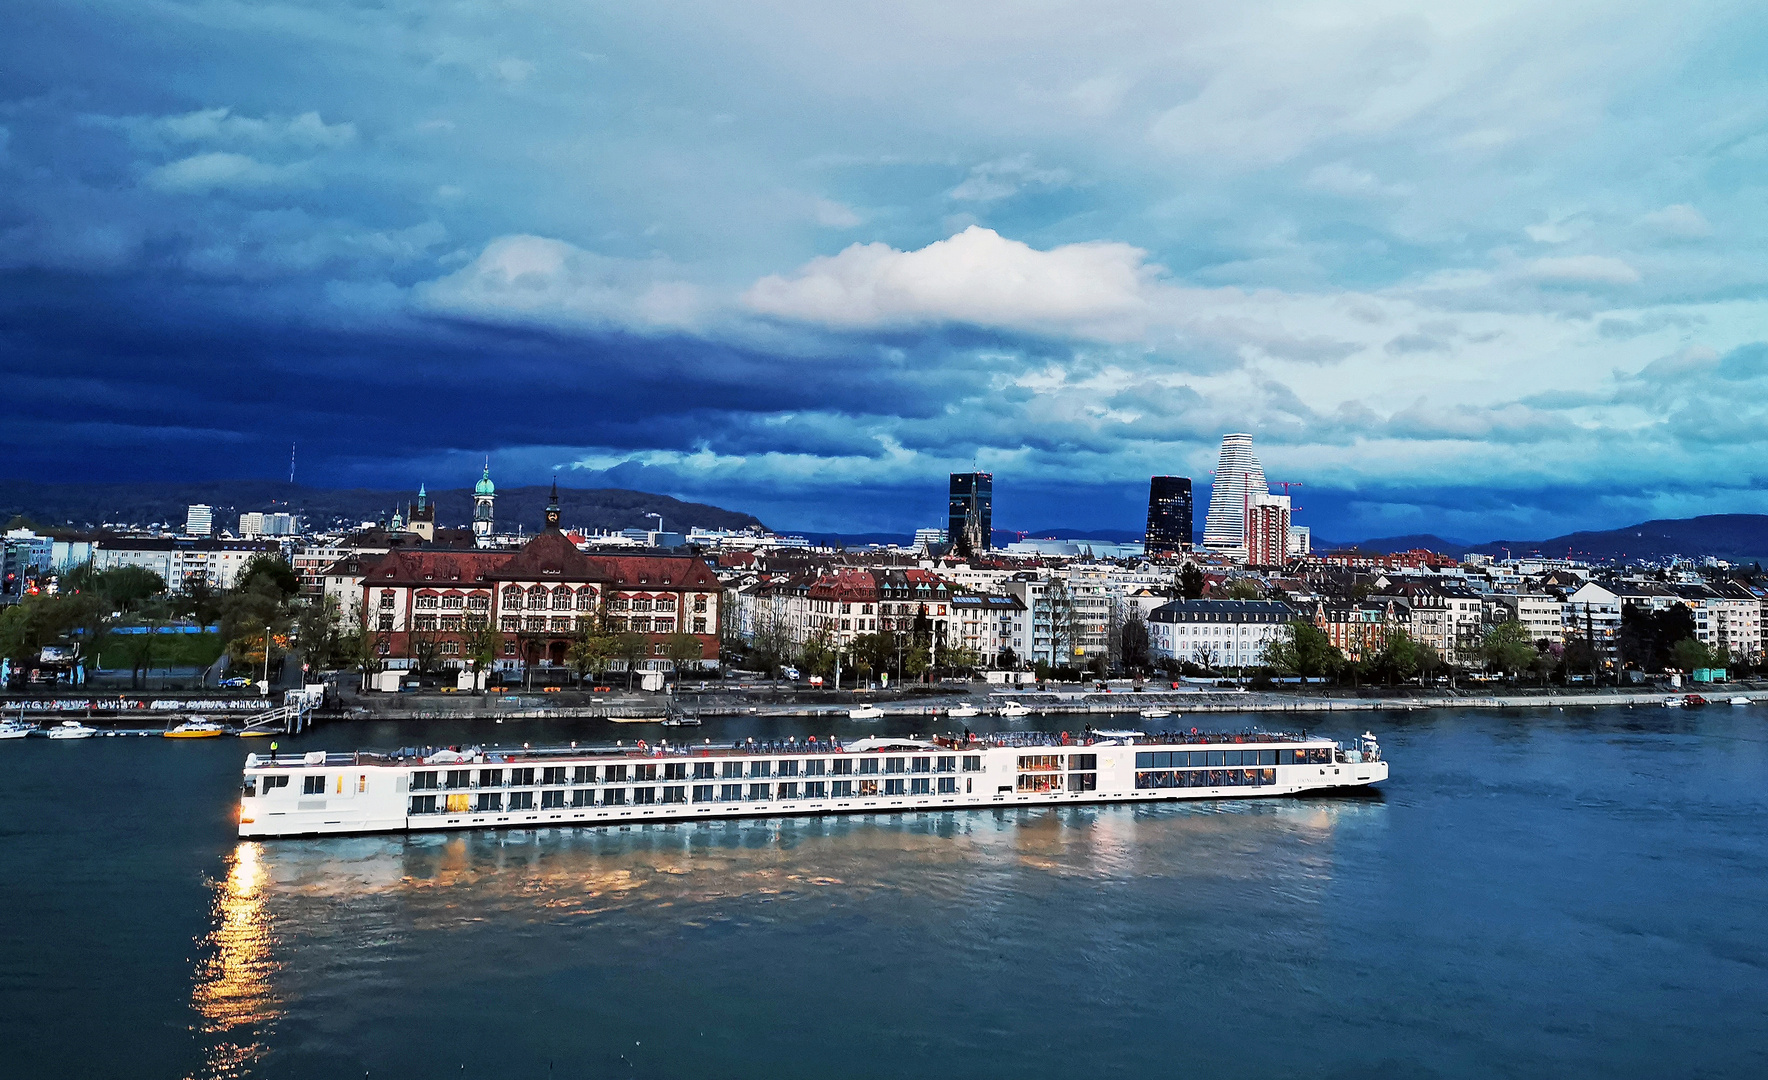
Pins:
x: 197, y: 729
x: 1013, y: 708
x: 964, y: 711
x: 16, y: 729
x: 1673, y: 702
x: 682, y: 721
x: 1156, y: 713
x: 865, y: 712
x: 72, y: 729
x: 543, y: 787
x: 1740, y: 701
x: 633, y: 719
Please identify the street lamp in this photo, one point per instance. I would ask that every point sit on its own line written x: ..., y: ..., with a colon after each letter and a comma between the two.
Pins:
x: 266, y: 661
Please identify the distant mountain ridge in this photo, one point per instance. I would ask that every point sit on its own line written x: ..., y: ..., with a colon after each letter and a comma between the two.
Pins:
x: 86, y: 506
x: 1727, y: 536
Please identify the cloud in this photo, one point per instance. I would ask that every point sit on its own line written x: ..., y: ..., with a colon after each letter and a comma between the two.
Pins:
x: 219, y: 170
x: 995, y: 180
x: 1678, y: 222
x: 1582, y: 270
x: 976, y: 277
x: 1339, y: 178
x: 222, y: 126
x: 529, y: 279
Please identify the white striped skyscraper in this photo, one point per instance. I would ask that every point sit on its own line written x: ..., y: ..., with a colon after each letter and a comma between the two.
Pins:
x: 1238, y: 476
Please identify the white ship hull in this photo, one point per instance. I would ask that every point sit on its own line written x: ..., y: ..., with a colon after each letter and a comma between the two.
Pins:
x: 337, y: 794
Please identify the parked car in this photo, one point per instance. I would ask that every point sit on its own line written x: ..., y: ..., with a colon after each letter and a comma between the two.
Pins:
x: 234, y: 682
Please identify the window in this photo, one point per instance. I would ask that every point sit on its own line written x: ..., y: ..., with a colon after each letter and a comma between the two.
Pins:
x: 490, y: 777
x: 921, y: 764
x: 553, y: 774
x: 488, y: 802
x: 511, y: 623
x: 665, y: 603
x: 699, y: 626
x: 868, y: 787
x: 759, y: 791
x: 512, y: 599
x: 895, y: 764
x: 423, y: 622
x: 644, y: 772
x: 675, y: 770
x: 385, y: 623
x: 699, y: 603
x: 614, y: 774
x: 386, y: 600
x: 426, y: 602
x: 614, y: 797
x: 973, y: 763
x: 921, y: 785
x: 582, y: 797
x: 787, y: 768
x: 1036, y: 782
x: 641, y: 604
x: 815, y: 768
x: 677, y: 794
x: 893, y: 787
x: 249, y: 789
x: 521, y: 777
x: 552, y: 800
x: 759, y: 768
x: 946, y: 764
x: 424, y: 781
x: 841, y: 789
x: 730, y: 792
x: 423, y: 804
x: 521, y: 800
x: 869, y: 766
x: 1084, y: 761
x: 1083, y: 781
x: 535, y: 623
x: 1040, y: 762
x: 841, y: 767
x: 586, y: 600
x: 788, y: 791
x: 478, y: 602
x: 313, y: 785
x: 644, y: 796
x: 562, y: 599
x: 271, y: 782
x: 816, y: 789
x: 451, y: 603
x: 948, y: 785
x: 702, y: 792
x: 733, y: 770
x: 703, y: 770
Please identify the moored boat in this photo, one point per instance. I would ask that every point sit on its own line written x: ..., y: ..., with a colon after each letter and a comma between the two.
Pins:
x: 15, y: 729
x: 196, y: 729
x: 1013, y: 708
x: 1156, y: 713
x: 964, y: 711
x: 865, y: 712
x: 1740, y: 701
x: 319, y: 793
x: 72, y: 729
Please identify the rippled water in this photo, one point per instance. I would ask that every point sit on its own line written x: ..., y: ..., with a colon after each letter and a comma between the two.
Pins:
x: 1576, y: 893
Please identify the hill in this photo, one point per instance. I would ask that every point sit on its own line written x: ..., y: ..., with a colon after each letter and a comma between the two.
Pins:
x: 89, y: 505
x: 1733, y: 537
x: 1387, y: 545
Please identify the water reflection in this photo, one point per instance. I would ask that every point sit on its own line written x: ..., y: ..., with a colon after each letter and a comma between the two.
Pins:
x: 233, y: 995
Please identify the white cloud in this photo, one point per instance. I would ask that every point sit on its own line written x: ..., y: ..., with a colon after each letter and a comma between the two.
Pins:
x: 222, y: 170
x: 1339, y: 178
x: 1582, y: 269
x: 993, y: 180
x: 834, y: 214
x: 222, y: 126
x: 976, y: 277
x: 536, y: 279
x: 1678, y: 222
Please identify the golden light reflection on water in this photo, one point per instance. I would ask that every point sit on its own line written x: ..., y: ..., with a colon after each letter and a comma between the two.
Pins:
x: 233, y: 994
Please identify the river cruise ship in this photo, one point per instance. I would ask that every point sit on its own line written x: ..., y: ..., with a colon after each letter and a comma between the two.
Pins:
x: 419, y: 790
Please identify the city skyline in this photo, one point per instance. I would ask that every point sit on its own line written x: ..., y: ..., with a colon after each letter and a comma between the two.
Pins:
x: 1424, y: 256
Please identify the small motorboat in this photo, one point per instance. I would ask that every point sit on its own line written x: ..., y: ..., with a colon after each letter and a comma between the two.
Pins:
x: 72, y: 729
x: 196, y: 729
x: 682, y: 721
x: 1672, y: 702
x: 633, y: 719
x: 964, y: 710
x: 1734, y: 701
x: 1013, y: 708
x: 865, y: 712
x: 1156, y: 713
x: 16, y: 729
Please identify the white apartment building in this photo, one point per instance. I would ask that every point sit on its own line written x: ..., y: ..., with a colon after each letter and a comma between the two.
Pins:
x: 1217, y: 634
x: 1544, y: 615
x: 181, y: 561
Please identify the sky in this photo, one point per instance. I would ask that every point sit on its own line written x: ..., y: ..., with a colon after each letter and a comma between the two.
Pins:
x: 1480, y: 270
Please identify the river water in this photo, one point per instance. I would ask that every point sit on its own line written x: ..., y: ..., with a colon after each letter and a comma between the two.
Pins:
x: 1577, y: 893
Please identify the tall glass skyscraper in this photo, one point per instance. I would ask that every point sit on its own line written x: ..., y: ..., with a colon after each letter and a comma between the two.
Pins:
x: 971, y: 525
x: 1238, y: 477
x: 1169, y: 515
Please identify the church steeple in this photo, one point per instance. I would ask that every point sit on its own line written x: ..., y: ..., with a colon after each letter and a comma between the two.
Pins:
x: 552, y: 506
x: 484, y: 495
x: 420, y: 497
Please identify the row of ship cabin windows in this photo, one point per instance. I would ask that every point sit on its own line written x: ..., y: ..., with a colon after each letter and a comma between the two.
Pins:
x: 1215, y: 759
x: 560, y: 775
x: 579, y: 798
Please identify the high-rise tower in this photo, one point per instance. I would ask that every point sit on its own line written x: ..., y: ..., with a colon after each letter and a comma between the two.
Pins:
x: 484, y: 495
x: 1169, y: 515
x: 1238, y: 477
x: 971, y: 512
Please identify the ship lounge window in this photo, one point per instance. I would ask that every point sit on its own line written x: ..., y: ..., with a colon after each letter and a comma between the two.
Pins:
x: 948, y: 785
x: 644, y: 796
x: 893, y: 787
x: 816, y: 789
x: 423, y: 804
x: 488, y: 802
x: 490, y: 777
x: 815, y: 767
x: 1040, y: 763
x: 250, y: 788
x: 702, y: 792
x: 1087, y: 762
x: 841, y: 789
x: 733, y: 770
x: 581, y: 798
x: 644, y: 772
x: 973, y: 763
x: 869, y: 766
x: 1083, y: 781
x: 271, y: 782
x: 583, y: 774
x: 703, y: 770
x: 946, y: 764
x: 552, y: 800
x: 759, y: 768
x: 313, y: 785
x: 759, y: 792
x: 921, y: 785
x: 789, y: 791
x: 841, y: 767
x: 424, y: 781
x: 458, y: 778
x: 730, y: 792
x: 553, y: 775
x: 895, y: 764
x: 676, y: 794
x: 614, y: 797
x: 521, y: 777
x: 675, y: 770
x: 868, y: 787
x: 521, y: 800
x: 614, y: 774
x: 1204, y: 778
x: 921, y: 764
x: 1036, y: 782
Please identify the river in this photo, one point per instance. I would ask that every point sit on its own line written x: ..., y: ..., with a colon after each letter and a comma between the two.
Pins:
x: 1576, y: 893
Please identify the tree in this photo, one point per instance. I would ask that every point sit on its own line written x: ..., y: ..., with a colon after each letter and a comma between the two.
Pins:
x: 271, y: 569
x: 1133, y: 642
x: 1399, y: 657
x: 817, y: 656
x: 1508, y: 648
x: 1245, y: 589
x: 316, y: 629
x: 1303, y: 650
x: 875, y: 651
x: 1060, y: 607
x: 956, y: 658
x: 681, y: 650
x: 631, y: 647
x: 1690, y: 653
x: 480, y: 647
x: 1191, y: 582
x: 590, y: 650
x: 1007, y: 660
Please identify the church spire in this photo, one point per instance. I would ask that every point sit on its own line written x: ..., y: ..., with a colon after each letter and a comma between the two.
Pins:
x: 552, y: 506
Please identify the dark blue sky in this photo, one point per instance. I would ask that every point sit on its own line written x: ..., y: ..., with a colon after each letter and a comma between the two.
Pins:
x: 1482, y: 272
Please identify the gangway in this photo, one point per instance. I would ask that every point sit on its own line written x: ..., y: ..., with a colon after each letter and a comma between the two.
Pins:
x: 290, y: 719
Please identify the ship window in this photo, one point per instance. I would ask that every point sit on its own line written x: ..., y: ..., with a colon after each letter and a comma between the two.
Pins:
x: 893, y: 787
x: 815, y: 767
x: 614, y: 774
x: 361, y: 782
x: 973, y: 763
x: 614, y: 797
x: 946, y: 764
x: 1083, y: 761
x: 250, y: 790
x: 275, y: 782
x: 583, y: 774
x: 733, y: 770
x: 758, y: 768
x: 458, y: 778
x: 552, y: 800
x: 894, y: 764
x: 868, y: 766
x: 1083, y: 781
x: 644, y: 772
x: 521, y: 800
x: 424, y: 781
x: 730, y: 792
x: 787, y: 768
x: 553, y: 775
x: 521, y: 778
x: 702, y: 792
x: 789, y: 791
x: 1040, y: 763
x: 1035, y: 782
x: 313, y: 785
x: 841, y: 789
x: 644, y: 796
x: 677, y: 794
x: 948, y: 785
x: 490, y: 777
x: 921, y: 785
x: 582, y: 798
x: 842, y: 767
x: 423, y: 804
x: 488, y: 802
x: 921, y: 764
x: 759, y: 791
x: 675, y: 770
